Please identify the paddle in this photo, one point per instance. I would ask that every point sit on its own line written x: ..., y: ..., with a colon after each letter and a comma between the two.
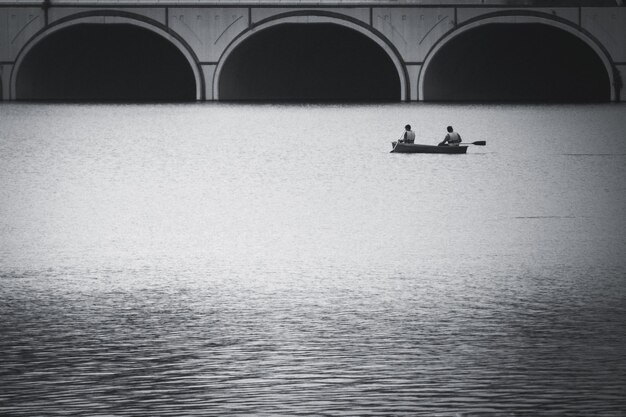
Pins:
x: 478, y: 142
x: 397, y: 141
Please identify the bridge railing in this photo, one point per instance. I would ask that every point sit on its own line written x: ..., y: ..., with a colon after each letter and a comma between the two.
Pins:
x: 486, y: 3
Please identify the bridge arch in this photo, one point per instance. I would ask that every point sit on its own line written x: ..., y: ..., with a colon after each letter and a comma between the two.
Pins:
x: 103, y: 18
x: 520, y: 18
x: 321, y: 18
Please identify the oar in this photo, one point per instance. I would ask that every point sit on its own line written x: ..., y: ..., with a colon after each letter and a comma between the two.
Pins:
x: 478, y: 142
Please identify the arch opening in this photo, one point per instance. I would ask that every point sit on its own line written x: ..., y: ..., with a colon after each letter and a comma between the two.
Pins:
x: 105, y: 62
x: 521, y: 62
x: 309, y: 62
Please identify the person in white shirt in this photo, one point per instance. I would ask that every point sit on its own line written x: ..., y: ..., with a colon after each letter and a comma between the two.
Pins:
x: 409, y: 135
x: 452, y: 138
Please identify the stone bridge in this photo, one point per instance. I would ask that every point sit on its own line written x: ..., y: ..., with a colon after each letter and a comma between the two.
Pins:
x: 396, y: 50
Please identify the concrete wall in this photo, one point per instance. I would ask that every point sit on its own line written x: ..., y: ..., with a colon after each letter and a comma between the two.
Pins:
x: 409, y: 30
x: 608, y: 26
x: 17, y: 26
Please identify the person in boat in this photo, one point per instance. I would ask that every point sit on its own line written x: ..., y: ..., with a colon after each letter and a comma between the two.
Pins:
x: 452, y: 138
x: 409, y: 135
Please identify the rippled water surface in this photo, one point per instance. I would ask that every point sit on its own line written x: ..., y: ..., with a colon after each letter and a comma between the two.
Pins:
x: 211, y: 259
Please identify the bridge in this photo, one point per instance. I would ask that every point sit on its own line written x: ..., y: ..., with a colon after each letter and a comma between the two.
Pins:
x: 392, y: 50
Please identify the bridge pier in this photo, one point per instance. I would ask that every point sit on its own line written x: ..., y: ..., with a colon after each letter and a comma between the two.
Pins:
x: 413, y: 71
x: 618, y: 84
x: 5, y: 86
x: 208, y: 70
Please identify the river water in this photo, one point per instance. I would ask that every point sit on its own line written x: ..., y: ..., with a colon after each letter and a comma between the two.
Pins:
x: 246, y: 259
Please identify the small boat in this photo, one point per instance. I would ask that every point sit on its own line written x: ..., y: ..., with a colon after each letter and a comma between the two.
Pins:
x: 417, y: 148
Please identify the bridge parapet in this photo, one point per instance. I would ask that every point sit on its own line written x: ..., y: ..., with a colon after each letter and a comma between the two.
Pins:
x: 319, y: 3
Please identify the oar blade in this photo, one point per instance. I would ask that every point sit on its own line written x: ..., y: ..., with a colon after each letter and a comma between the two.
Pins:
x: 480, y: 143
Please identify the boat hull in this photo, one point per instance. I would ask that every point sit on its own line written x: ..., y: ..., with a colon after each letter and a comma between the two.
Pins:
x: 417, y: 148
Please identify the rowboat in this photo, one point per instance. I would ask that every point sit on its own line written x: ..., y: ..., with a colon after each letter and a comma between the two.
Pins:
x: 417, y: 148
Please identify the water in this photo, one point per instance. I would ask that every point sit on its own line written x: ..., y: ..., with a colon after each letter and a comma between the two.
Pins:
x: 215, y: 259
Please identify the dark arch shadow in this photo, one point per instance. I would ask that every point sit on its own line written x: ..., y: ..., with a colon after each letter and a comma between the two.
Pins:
x: 309, y: 62
x: 516, y: 62
x: 105, y: 62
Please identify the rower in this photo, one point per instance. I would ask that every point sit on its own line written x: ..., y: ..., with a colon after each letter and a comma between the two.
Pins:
x: 409, y: 135
x: 452, y: 138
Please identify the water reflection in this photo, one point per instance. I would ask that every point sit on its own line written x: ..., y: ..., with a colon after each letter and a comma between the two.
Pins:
x: 332, y: 345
